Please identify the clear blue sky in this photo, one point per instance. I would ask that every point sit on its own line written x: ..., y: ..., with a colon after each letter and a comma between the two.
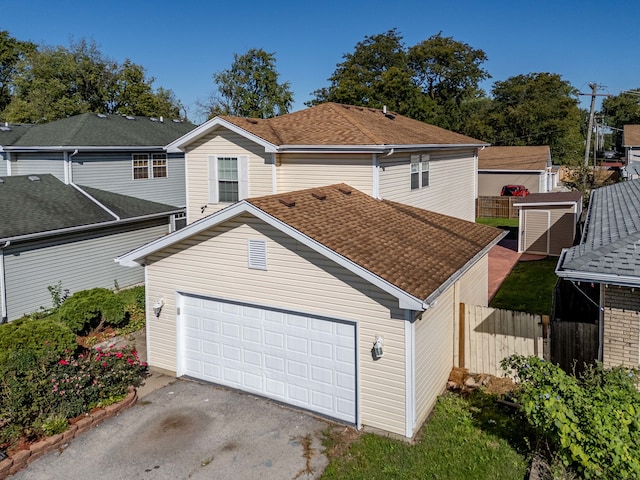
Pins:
x: 182, y: 43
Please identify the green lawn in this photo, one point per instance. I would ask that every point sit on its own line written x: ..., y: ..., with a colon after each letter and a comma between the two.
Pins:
x: 529, y: 287
x: 510, y: 224
x: 464, y: 439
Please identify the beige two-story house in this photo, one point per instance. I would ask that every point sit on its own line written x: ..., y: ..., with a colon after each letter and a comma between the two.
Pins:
x: 324, y: 263
x: 380, y: 153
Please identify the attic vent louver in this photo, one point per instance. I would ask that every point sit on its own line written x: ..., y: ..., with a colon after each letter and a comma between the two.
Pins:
x: 345, y: 190
x: 5, y: 129
x: 34, y: 178
x: 177, y: 120
x: 153, y: 119
x: 257, y: 253
x: 101, y: 115
x: 1, y: 181
x: 129, y: 117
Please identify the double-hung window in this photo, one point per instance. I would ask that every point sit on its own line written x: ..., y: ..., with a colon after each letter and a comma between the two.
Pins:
x: 227, y: 179
x: 145, y: 167
x: 419, y: 171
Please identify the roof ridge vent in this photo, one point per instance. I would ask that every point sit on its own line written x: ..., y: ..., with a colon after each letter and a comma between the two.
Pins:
x: 33, y: 178
x: 287, y: 202
x: 319, y: 194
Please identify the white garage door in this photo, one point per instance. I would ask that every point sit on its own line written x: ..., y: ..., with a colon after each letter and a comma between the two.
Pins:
x: 298, y: 359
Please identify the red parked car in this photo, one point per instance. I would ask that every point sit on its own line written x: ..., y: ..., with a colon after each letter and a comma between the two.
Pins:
x: 514, y: 191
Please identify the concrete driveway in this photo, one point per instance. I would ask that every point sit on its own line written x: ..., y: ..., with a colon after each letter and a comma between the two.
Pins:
x: 190, y: 430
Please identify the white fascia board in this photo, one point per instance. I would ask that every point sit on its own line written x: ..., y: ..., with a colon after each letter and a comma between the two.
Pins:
x: 621, y: 280
x: 210, y: 125
x: 91, y: 226
x: 137, y: 257
x: 428, y: 302
x: 495, y: 170
x: 544, y: 204
x: 81, y: 148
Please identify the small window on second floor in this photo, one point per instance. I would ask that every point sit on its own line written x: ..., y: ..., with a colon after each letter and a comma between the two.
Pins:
x: 143, y: 167
x: 159, y: 165
x: 140, y: 166
x: 419, y: 171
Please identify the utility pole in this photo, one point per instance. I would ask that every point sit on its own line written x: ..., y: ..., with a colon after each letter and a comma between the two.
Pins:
x: 594, y: 89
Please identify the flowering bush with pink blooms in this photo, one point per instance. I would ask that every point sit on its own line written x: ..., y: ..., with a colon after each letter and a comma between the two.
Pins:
x: 34, y: 387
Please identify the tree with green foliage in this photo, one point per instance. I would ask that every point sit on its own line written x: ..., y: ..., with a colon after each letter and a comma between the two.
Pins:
x: 250, y: 88
x: 55, y: 82
x: 12, y: 51
x: 621, y: 110
x: 428, y: 82
x: 538, y: 109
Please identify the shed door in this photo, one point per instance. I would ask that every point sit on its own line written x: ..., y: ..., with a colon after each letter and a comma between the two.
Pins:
x: 537, y: 224
x: 294, y: 358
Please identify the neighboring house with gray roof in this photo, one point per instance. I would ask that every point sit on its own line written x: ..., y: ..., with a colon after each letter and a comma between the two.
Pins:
x: 506, y: 165
x: 631, y: 143
x: 120, y: 154
x: 53, y: 232
x: 604, y: 271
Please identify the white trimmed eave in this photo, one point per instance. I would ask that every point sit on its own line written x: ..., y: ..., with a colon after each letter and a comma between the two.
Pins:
x: 91, y: 226
x: 370, y: 148
x: 433, y: 297
x: 70, y: 148
x: 137, y: 257
x: 179, y: 144
x: 592, y: 277
x: 495, y: 170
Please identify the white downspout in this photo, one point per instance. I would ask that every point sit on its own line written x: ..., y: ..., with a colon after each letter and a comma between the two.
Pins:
x: 375, y: 184
x: 3, y: 286
x: 68, y: 170
x: 274, y: 174
x: 410, y: 376
x: 8, y: 164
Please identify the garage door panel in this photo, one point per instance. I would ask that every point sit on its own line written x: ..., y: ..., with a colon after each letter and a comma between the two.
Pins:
x: 297, y: 359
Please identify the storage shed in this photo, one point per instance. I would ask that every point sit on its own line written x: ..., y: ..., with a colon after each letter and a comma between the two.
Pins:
x: 548, y: 222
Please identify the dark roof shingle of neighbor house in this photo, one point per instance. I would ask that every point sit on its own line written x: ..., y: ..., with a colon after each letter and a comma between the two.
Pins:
x: 32, y: 204
x: 11, y: 132
x: 611, y: 240
x: 336, y: 124
x: 631, y: 135
x: 514, y: 158
x: 97, y: 130
x: 413, y: 249
x: 551, y: 197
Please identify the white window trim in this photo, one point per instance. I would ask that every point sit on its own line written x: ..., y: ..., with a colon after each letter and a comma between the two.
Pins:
x: 423, y: 161
x: 243, y: 177
x: 149, y: 159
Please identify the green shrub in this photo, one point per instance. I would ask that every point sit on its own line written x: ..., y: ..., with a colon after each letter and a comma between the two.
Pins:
x: 92, y: 310
x: 42, y: 338
x: 592, y: 421
x: 51, y: 425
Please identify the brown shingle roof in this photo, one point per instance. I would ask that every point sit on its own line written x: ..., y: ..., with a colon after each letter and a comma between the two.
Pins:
x: 414, y: 249
x: 336, y: 124
x: 551, y: 197
x: 514, y: 158
x: 631, y: 135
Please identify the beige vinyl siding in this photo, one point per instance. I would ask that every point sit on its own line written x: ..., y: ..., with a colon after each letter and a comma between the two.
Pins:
x: 434, y: 353
x: 298, y: 171
x: 452, y: 183
x: 474, y: 284
x: 561, y: 232
x: 214, y: 263
x: 490, y: 184
x: 223, y: 142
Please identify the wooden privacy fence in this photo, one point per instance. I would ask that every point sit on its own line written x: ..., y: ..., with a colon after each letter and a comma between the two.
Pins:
x: 501, y: 207
x: 487, y: 335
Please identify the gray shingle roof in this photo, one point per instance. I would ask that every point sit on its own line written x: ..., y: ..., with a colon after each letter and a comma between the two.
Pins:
x: 10, y: 132
x: 610, y: 248
x: 92, y: 130
x: 37, y: 206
